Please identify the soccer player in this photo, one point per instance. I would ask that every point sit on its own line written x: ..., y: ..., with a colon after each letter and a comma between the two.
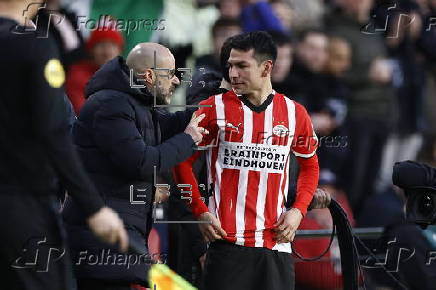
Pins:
x: 253, y: 131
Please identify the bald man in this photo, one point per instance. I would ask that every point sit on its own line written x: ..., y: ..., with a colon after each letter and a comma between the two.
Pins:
x: 122, y: 139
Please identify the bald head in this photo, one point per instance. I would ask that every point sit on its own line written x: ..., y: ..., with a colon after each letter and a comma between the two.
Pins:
x: 142, y: 57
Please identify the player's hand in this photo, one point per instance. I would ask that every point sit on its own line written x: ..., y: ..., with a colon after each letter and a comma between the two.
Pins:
x: 195, y: 131
x: 106, y: 225
x: 287, y: 225
x: 321, y: 199
x: 211, y: 230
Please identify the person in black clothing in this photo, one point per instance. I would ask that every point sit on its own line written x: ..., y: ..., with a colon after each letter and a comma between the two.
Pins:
x: 62, y: 26
x: 36, y: 151
x: 123, y: 140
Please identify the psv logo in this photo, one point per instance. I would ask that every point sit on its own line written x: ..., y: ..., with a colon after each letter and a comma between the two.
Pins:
x: 281, y: 131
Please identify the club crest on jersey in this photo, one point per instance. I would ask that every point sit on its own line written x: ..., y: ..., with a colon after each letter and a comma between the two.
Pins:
x: 281, y: 131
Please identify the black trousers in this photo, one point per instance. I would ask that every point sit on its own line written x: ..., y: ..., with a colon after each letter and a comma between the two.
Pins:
x: 33, y: 254
x: 234, y: 267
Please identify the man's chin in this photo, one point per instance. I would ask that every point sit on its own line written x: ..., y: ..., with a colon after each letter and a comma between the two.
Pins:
x: 238, y: 91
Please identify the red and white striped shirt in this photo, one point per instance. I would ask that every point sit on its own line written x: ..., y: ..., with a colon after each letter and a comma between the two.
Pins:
x: 248, y: 166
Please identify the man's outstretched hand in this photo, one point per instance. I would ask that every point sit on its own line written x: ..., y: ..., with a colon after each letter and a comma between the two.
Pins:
x: 194, y: 131
x: 107, y: 226
x: 211, y: 229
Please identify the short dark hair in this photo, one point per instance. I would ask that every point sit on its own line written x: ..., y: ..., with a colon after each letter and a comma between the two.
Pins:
x: 262, y: 43
x: 224, y: 57
x: 224, y: 23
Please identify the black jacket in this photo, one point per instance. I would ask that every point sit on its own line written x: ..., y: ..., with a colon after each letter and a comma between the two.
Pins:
x: 36, y: 150
x: 121, y: 139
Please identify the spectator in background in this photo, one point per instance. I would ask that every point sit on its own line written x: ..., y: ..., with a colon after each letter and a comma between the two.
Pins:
x: 307, y: 14
x: 427, y: 43
x: 330, y: 120
x: 281, y: 73
x: 229, y: 8
x: 310, y: 60
x: 209, y: 67
x: 406, y: 139
x: 103, y: 45
x: 283, y: 10
x: 222, y: 29
x: 313, y: 81
x: 260, y: 16
x: 369, y: 101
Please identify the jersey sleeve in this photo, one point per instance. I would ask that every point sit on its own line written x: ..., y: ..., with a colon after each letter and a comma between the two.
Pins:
x: 307, y: 182
x: 209, y: 122
x: 305, y: 141
x: 183, y: 172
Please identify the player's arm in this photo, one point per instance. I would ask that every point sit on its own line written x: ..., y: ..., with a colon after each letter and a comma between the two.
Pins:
x: 307, y: 182
x: 304, y: 146
x: 183, y: 174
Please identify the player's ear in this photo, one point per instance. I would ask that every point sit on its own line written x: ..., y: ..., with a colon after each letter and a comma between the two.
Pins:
x: 267, y: 68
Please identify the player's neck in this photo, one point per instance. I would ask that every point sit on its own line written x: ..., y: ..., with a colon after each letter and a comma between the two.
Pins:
x: 259, y: 96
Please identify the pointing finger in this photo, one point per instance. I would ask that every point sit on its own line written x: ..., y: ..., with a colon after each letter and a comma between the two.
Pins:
x: 198, y: 119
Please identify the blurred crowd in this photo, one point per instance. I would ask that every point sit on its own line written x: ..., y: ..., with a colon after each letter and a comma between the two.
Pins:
x: 365, y: 70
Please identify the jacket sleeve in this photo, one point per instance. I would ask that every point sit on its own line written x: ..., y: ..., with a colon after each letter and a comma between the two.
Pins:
x: 116, y: 134
x: 51, y: 124
x: 174, y: 123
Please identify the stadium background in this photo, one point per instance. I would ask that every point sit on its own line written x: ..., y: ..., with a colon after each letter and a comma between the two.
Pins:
x: 366, y: 74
